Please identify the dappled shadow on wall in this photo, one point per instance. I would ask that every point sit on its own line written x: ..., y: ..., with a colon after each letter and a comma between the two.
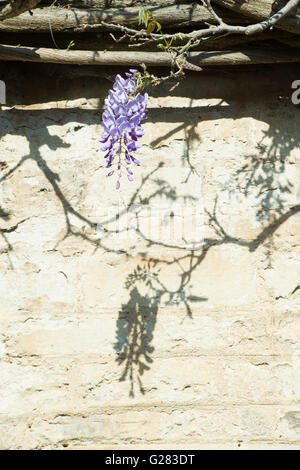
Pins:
x: 260, y: 175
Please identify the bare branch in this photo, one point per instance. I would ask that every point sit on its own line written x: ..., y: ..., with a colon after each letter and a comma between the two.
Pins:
x: 221, y: 29
x: 262, y: 10
x: 260, y: 27
x: 207, y: 3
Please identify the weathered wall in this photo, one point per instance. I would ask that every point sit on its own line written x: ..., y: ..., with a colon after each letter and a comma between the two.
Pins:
x: 140, y: 338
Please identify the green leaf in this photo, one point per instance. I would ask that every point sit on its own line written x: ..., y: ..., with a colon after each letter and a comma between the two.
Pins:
x: 158, y: 26
x: 146, y: 18
x: 141, y: 15
x: 151, y: 27
x: 181, y: 35
x: 71, y: 44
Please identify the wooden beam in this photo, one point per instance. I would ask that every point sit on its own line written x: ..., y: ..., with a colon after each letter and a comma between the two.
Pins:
x: 100, y: 4
x: 16, y: 7
x: 74, y: 20
x: 154, y: 59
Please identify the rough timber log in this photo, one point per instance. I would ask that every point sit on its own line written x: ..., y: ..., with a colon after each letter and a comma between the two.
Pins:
x: 129, y: 58
x: 74, y: 20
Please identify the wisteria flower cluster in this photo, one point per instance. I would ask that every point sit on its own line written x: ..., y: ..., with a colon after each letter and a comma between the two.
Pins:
x: 124, y: 110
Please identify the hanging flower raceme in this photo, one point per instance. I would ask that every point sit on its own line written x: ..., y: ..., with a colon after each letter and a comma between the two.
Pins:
x: 124, y: 110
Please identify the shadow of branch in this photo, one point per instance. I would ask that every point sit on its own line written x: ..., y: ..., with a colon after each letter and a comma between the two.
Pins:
x: 147, y: 290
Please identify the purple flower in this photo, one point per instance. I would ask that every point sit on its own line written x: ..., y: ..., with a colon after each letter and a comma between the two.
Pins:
x: 124, y: 110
